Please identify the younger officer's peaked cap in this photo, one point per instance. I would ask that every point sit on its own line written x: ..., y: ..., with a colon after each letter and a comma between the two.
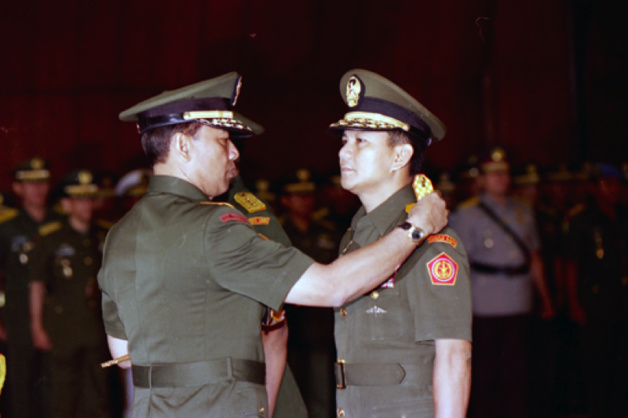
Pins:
x: 34, y: 169
x: 377, y: 104
x: 209, y: 102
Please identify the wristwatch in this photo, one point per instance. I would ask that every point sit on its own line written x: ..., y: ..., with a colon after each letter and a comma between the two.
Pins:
x: 415, y: 234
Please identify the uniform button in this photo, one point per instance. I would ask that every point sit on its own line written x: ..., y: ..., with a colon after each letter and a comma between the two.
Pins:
x: 59, y: 309
x: 88, y: 261
x: 341, y: 412
x: 343, y: 312
x: 262, y: 410
x: 375, y: 294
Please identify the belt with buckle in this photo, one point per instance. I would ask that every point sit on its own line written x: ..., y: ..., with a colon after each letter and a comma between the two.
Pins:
x: 375, y: 374
x: 199, y: 373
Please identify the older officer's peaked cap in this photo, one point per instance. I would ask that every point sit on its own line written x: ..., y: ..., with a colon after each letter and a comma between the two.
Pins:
x: 209, y: 102
x: 377, y: 104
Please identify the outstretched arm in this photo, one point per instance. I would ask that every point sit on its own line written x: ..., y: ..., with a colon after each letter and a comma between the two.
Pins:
x: 360, y: 271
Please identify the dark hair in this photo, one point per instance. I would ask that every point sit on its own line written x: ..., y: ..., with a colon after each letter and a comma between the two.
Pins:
x: 397, y: 137
x: 156, y: 142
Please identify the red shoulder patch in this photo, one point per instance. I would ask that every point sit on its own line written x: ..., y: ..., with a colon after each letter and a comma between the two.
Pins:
x: 443, y: 270
x: 442, y: 238
x: 232, y: 216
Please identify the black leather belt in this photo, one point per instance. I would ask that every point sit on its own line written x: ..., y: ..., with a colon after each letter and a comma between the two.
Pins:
x: 508, y: 271
x: 376, y: 374
x: 199, y: 373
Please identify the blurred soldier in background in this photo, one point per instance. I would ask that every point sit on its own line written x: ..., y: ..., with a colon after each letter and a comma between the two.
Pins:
x: 18, y: 237
x: 311, y: 342
x: 597, y: 278
x: 65, y: 302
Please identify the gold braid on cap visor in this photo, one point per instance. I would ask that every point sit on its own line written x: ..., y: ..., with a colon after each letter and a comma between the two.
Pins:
x: 32, y: 175
x: 220, y: 118
x: 370, y: 120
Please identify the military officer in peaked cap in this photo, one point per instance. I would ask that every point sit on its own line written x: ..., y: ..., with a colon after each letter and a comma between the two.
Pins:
x: 185, y: 281
x: 18, y: 237
x: 404, y: 347
x: 65, y: 301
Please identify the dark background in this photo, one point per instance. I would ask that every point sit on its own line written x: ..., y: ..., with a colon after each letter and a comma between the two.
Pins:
x: 545, y: 78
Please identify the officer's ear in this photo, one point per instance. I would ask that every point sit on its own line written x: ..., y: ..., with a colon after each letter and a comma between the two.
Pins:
x: 181, y: 146
x: 403, y: 154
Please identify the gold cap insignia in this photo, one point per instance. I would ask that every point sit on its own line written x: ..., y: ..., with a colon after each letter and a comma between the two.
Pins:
x: 85, y: 177
x: 354, y: 88
x: 37, y: 163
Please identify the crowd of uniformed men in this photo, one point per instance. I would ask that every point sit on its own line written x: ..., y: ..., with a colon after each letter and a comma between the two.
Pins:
x: 548, y: 256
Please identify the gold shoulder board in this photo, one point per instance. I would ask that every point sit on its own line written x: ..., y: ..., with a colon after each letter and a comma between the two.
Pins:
x: 6, y: 214
x: 49, y: 228
x: 249, y: 201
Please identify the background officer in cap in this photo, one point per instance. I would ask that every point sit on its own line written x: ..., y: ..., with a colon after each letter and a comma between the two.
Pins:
x: 185, y: 280
x: 597, y: 278
x: 404, y: 348
x: 18, y: 237
x: 311, y: 344
x: 65, y: 302
x: 284, y: 397
x: 500, y: 236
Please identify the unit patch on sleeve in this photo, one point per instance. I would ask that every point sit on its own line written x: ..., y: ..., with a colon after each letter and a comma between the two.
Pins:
x: 232, y: 216
x: 442, y: 238
x: 443, y: 270
x: 249, y: 201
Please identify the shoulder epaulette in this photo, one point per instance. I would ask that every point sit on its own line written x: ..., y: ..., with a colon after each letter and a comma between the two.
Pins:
x: 576, y: 210
x: 49, y: 228
x: 218, y: 204
x: 249, y: 201
x: 104, y: 223
x: 470, y: 202
x: 6, y: 214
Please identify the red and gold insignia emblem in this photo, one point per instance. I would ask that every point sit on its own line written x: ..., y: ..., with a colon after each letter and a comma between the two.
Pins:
x: 354, y: 88
x: 233, y: 217
x: 443, y: 270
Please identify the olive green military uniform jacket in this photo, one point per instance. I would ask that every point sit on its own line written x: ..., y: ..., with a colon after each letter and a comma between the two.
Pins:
x: 18, y: 237
x: 185, y: 280
x: 68, y: 262
x: 386, y: 338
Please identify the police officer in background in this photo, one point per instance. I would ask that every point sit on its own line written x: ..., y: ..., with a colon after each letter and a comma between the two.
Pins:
x: 186, y: 280
x: 65, y: 302
x: 403, y: 348
x: 500, y: 236
x: 597, y: 278
x: 18, y: 237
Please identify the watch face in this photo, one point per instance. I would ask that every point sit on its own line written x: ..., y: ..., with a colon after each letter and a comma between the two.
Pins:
x: 417, y: 234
